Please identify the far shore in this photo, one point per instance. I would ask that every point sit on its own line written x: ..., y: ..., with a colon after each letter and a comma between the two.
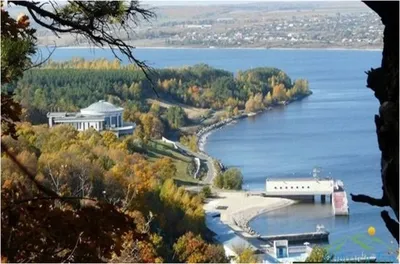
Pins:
x: 224, y: 48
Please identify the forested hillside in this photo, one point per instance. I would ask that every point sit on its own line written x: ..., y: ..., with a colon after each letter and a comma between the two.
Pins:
x: 90, y: 165
x: 75, y: 84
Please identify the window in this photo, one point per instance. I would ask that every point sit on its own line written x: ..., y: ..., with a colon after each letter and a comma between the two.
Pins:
x: 291, y: 187
x: 297, y: 187
x: 308, y: 187
x: 286, y: 187
x: 280, y: 188
x: 275, y: 188
x: 302, y: 187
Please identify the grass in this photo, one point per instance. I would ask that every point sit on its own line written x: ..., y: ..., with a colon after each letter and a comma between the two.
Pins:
x: 159, y: 149
x: 193, y: 113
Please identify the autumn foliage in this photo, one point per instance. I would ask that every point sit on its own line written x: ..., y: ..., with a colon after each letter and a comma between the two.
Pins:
x: 116, y: 205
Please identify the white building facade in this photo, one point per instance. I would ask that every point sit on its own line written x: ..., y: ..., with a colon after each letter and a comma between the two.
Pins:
x: 299, y: 186
x: 99, y: 116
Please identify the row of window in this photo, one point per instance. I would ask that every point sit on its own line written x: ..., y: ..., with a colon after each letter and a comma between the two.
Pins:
x: 297, y: 187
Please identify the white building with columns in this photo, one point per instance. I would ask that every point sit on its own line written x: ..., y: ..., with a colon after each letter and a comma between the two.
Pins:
x: 99, y: 116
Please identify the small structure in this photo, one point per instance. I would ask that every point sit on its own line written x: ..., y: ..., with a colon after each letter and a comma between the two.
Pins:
x: 281, y: 248
x: 300, y: 187
x: 308, y: 188
x: 283, y: 253
x: 99, y: 116
x: 319, y: 236
x: 339, y: 201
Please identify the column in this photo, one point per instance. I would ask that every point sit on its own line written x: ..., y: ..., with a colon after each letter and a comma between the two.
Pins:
x: 110, y: 121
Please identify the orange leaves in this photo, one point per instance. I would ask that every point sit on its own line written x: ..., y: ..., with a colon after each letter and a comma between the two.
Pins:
x: 23, y: 21
x: 193, y: 249
x: 164, y: 168
x: 39, y: 232
x: 279, y: 93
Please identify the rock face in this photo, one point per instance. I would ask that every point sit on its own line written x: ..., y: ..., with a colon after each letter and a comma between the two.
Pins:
x: 384, y: 81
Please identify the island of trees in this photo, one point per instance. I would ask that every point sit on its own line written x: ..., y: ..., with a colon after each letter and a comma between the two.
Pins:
x: 71, y: 85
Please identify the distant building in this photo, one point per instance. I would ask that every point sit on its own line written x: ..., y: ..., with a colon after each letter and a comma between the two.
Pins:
x: 99, y: 116
x: 299, y: 186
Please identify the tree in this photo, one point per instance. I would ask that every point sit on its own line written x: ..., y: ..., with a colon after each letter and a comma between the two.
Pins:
x: 17, y: 45
x: 140, y: 135
x: 94, y: 21
x: 190, y: 142
x: 235, y: 111
x: 250, y: 105
x: 155, y: 109
x: 176, y: 116
x: 268, y: 100
x: 231, y: 179
x: 245, y: 254
x: 206, y: 191
x: 152, y: 126
x: 165, y: 168
x: 279, y: 93
x: 319, y: 255
x: 219, y: 181
x: 193, y: 249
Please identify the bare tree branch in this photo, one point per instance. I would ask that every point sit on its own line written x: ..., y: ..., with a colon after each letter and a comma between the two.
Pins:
x: 391, y: 225
x: 370, y: 200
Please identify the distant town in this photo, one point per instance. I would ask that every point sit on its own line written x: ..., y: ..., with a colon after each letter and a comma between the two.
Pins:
x: 263, y: 25
x: 348, y: 30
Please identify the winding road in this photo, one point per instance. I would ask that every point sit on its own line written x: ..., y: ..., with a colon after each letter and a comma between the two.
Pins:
x: 211, y: 172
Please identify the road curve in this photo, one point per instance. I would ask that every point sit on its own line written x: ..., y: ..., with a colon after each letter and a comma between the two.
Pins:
x: 211, y: 171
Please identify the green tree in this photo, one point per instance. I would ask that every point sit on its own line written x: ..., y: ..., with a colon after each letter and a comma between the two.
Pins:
x: 245, y: 254
x: 190, y: 142
x: 155, y: 109
x: 206, y: 191
x: 319, y: 255
x: 176, y: 116
x: 231, y: 179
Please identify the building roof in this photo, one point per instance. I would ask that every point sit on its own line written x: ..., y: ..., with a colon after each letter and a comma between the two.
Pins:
x: 102, y: 107
x: 299, y: 179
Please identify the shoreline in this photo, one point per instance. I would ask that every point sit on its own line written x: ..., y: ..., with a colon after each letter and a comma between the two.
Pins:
x: 242, y: 208
x: 239, y: 219
x: 222, y: 48
x: 204, y: 132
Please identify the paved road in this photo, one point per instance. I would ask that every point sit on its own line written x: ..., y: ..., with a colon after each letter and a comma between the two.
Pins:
x: 210, y: 164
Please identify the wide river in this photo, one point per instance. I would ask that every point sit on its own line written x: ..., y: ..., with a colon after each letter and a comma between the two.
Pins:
x: 332, y: 129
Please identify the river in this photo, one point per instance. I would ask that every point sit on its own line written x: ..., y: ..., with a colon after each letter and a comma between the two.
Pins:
x: 332, y: 129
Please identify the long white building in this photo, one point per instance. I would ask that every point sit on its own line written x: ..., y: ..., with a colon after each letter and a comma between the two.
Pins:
x: 99, y: 116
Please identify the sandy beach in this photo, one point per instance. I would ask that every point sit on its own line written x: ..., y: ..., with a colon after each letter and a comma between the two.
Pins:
x: 237, y: 208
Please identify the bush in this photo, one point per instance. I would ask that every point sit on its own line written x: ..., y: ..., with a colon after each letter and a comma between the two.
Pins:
x: 206, y: 191
x: 320, y: 255
x: 231, y: 179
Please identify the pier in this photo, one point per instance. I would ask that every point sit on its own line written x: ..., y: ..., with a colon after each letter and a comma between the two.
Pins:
x: 306, y: 189
x: 311, y: 237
